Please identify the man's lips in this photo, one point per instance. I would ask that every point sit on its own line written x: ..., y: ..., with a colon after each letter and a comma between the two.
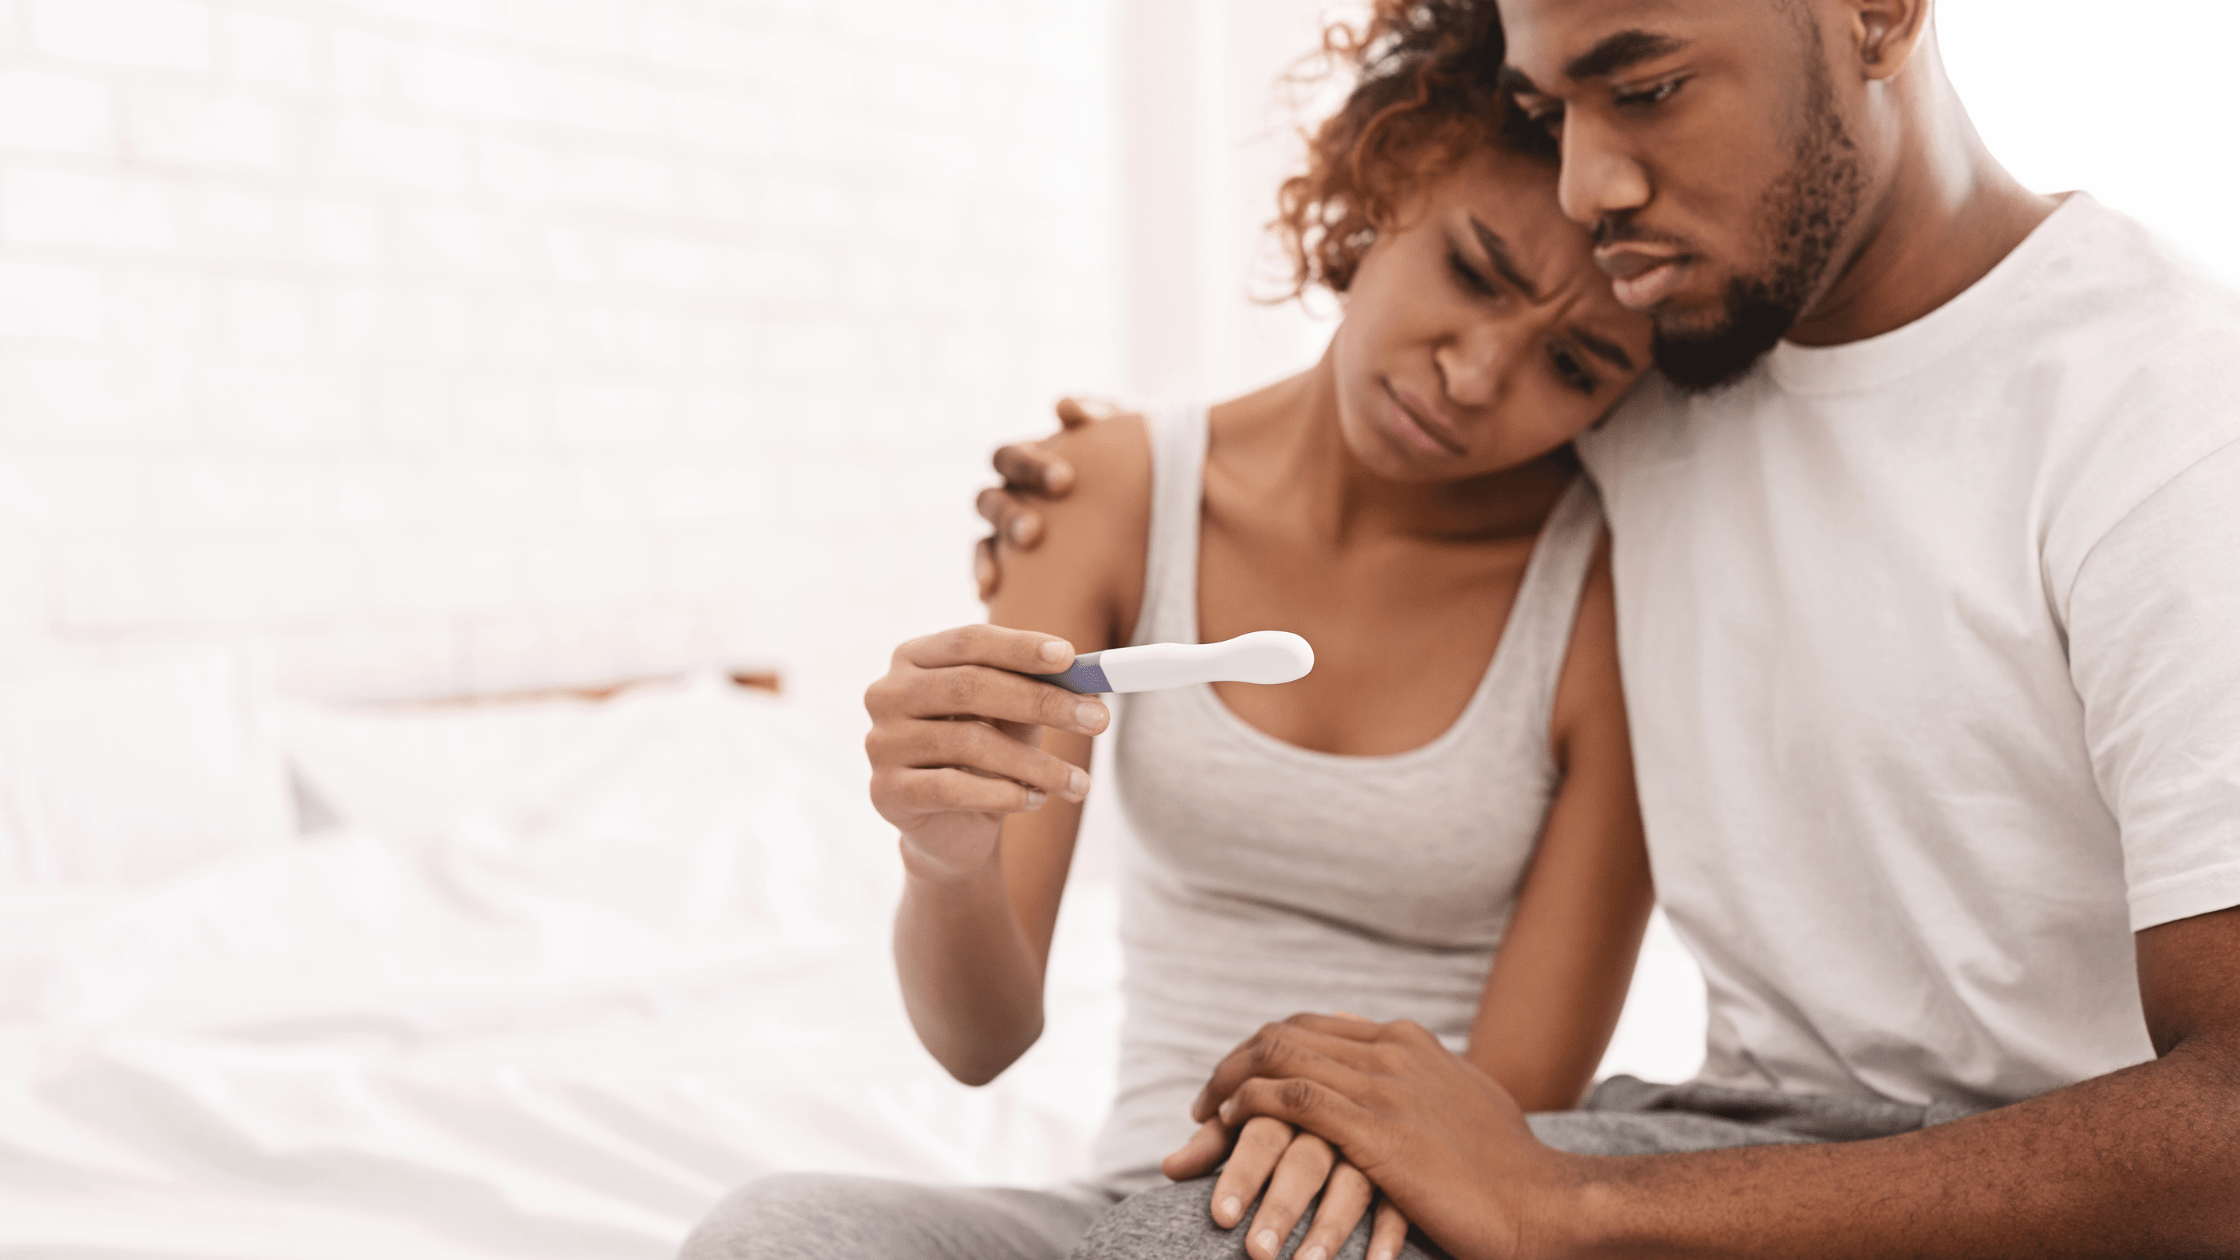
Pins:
x: 1421, y: 415
x: 1639, y: 278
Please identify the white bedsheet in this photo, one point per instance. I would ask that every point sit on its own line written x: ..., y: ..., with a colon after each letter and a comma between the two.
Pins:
x: 648, y: 963
x: 568, y: 973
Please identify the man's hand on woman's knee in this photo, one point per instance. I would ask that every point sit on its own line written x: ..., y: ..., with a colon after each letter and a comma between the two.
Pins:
x: 1433, y: 1132
x: 1029, y: 472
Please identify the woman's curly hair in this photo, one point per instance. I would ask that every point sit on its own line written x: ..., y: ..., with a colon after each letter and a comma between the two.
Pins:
x: 1426, y: 91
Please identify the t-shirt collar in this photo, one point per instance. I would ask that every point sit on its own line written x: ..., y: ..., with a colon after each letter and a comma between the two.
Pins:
x: 1908, y: 349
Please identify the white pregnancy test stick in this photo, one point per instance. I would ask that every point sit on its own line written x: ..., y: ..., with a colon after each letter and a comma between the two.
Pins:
x: 1264, y: 656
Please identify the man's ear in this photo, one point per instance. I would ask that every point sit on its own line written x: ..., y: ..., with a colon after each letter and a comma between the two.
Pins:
x: 1886, y: 33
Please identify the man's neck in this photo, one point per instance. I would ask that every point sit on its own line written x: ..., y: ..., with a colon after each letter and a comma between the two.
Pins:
x: 1949, y: 214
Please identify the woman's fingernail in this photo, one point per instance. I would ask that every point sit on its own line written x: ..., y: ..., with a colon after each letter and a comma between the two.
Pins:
x: 1231, y: 1209
x: 1090, y: 714
x: 1035, y: 799
x: 1019, y: 530
x: 1054, y: 651
x: 1314, y: 1253
x: 1079, y: 783
x: 1267, y: 1241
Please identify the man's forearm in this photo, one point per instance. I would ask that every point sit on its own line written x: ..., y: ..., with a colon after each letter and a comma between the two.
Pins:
x: 2143, y: 1162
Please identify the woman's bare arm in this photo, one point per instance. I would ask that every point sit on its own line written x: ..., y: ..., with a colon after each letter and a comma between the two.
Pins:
x: 1561, y: 976
x: 972, y: 937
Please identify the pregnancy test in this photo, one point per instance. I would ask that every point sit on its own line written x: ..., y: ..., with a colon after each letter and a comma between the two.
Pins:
x: 1264, y: 656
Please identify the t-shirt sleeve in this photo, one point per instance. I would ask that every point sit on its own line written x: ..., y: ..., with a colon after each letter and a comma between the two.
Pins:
x: 2154, y: 648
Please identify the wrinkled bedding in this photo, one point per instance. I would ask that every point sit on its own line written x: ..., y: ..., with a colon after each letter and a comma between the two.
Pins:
x: 639, y: 957
x: 547, y: 980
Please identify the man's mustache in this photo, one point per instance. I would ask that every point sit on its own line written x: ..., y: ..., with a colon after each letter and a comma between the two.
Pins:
x: 1622, y: 230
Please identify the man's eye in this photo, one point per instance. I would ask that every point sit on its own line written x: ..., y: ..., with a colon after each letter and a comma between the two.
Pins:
x: 1573, y: 372
x: 1646, y: 97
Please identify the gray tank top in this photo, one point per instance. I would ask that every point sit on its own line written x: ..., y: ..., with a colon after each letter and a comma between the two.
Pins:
x: 1263, y: 879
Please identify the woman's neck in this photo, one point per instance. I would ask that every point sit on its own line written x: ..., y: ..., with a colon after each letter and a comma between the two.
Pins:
x: 1281, y: 448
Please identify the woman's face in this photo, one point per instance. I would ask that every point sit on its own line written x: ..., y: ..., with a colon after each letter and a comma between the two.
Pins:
x: 1478, y: 334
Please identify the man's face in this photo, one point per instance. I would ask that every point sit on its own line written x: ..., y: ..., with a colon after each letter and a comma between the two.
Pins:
x: 1705, y: 147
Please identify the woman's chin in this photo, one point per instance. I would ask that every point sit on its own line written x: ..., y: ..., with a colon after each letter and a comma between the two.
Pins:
x: 1383, y: 456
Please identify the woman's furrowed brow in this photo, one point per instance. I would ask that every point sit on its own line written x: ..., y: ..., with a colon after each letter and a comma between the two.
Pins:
x: 1503, y: 260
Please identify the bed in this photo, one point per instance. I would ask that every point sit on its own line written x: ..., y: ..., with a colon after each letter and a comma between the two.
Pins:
x: 533, y: 978
x: 546, y: 979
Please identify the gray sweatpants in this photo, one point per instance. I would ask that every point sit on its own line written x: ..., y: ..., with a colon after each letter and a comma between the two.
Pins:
x: 804, y: 1216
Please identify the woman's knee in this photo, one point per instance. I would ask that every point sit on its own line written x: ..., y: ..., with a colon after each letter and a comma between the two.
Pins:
x: 1176, y: 1223
x: 1170, y: 1221
x: 782, y: 1217
x: 808, y: 1216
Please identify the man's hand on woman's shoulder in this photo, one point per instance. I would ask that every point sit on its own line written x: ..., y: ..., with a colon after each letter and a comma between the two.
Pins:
x: 1031, y: 471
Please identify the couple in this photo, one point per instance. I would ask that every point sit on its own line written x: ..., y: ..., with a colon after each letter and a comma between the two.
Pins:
x: 1923, y: 569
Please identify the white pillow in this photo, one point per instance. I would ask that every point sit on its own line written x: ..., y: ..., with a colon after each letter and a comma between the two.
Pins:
x: 129, y: 771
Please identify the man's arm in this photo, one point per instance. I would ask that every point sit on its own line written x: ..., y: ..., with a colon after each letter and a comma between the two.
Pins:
x: 2142, y: 1162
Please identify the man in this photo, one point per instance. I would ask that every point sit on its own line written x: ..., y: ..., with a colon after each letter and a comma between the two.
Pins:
x: 1928, y: 564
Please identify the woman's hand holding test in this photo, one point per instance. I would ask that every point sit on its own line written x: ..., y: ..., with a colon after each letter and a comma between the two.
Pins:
x: 955, y: 747
x: 955, y: 741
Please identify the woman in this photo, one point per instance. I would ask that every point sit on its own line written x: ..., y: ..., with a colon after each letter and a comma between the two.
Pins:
x: 1437, y: 824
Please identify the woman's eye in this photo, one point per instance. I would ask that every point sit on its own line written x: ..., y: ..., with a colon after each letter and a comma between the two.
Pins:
x: 1468, y: 275
x: 1573, y: 372
x: 1550, y: 120
x: 1648, y: 96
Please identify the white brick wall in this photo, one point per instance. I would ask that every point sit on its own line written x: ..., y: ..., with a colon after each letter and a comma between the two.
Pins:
x: 461, y: 344
x: 451, y: 345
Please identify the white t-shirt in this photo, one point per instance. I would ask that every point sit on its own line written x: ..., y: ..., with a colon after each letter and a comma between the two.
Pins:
x: 1932, y: 648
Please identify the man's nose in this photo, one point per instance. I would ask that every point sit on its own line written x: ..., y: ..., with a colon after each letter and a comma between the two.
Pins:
x: 1600, y: 179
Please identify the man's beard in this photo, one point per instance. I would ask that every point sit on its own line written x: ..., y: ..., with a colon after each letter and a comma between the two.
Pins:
x: 1806, y: 214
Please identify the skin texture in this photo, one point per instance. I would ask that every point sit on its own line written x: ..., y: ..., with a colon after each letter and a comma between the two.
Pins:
x: 1681, y: 151
x: 1329, y: 510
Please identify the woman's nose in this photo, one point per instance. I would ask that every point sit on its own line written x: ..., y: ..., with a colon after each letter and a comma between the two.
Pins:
x: 1472, y: 365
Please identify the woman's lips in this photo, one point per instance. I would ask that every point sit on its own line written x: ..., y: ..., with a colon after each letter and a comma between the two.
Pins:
x: 1411, y: 419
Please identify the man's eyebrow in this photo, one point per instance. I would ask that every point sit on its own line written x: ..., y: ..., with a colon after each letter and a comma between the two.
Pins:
x: 1621, y: 51
x: 1504, y: 262
x: 1601, y: 349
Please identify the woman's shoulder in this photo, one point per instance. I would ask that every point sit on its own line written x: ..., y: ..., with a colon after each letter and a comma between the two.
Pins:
x: 1111, y: 458
x: 1112, y: 461
x: 1096, y: 539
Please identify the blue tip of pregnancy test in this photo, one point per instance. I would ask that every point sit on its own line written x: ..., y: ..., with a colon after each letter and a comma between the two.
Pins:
x: 1086, y: 676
